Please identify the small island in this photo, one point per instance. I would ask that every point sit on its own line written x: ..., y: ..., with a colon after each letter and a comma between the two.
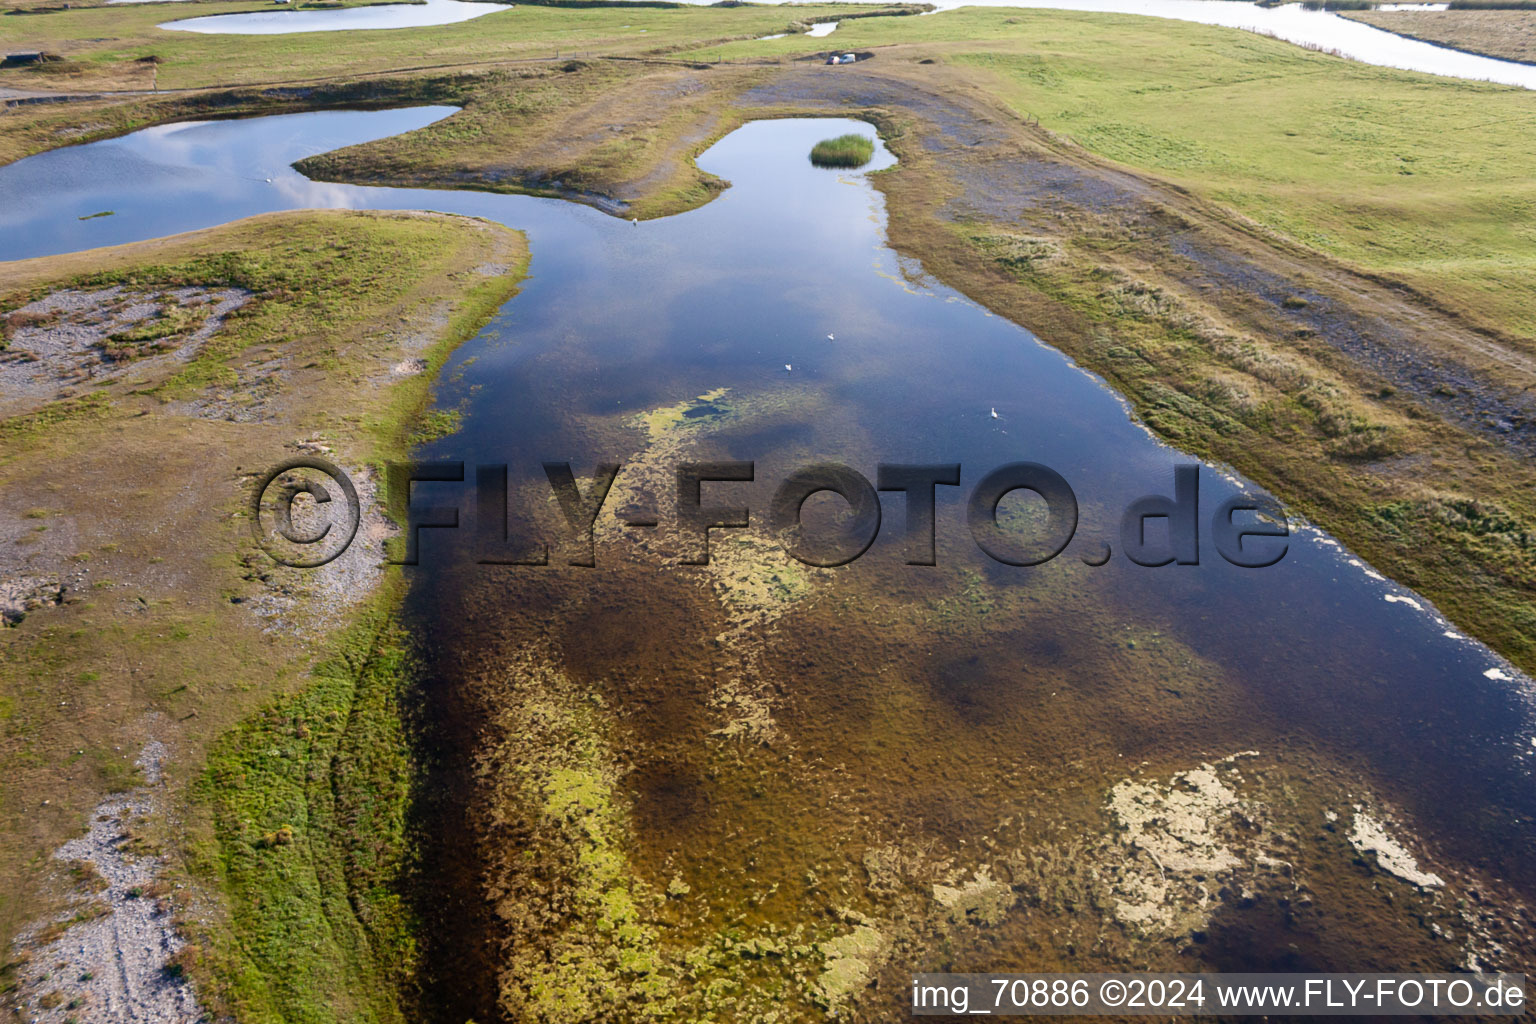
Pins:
x: 851, y: 150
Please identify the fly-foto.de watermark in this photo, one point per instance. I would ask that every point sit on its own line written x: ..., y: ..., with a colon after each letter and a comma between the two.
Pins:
x: 292, y: 514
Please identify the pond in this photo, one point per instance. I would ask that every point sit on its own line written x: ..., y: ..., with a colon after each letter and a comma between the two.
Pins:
x: 374, y: 16
x: 775, y: 325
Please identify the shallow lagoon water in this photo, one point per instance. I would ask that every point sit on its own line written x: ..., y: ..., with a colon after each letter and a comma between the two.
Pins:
x: 1315, y: 657
x: 376, y: 16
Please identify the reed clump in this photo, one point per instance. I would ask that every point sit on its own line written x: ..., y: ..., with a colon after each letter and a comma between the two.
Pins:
x: 851, y: 150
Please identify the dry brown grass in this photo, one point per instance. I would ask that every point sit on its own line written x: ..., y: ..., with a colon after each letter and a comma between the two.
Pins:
x: 1508, y: 35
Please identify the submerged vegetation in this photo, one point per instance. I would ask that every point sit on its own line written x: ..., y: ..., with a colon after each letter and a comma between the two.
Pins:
x: 851, y: 150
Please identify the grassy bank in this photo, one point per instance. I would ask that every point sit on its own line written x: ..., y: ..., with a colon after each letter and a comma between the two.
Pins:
x: 549, y: 131
x: 306, y: 809
x: 168, y: 630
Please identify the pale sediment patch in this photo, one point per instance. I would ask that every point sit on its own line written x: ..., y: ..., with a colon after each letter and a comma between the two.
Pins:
x: 1183, y: 835
x: 850, y: 960
x: 1369, y: 835
x: 983, y: 899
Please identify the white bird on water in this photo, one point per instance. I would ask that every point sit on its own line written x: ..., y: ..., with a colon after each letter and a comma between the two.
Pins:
x: 994, y: 412
x: 830, y: 338
x: 788, y: 368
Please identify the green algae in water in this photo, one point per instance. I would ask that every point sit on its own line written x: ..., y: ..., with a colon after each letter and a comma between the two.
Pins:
x: 706, y: 407
x: 851, y: 960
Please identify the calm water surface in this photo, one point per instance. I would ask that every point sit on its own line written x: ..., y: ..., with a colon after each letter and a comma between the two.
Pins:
x: 281, y: 22
x: 1314, y: 655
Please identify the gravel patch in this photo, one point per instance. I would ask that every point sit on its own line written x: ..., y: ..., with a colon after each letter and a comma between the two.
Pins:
x: 115, y: 965
x: 311, y: 602
x: 75, y: 337
x: 21, y: 594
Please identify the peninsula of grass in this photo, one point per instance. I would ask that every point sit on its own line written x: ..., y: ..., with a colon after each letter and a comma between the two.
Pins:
x: 291, y: 771
x: 851, y: 150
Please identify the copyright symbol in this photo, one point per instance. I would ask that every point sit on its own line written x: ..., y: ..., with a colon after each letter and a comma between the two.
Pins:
x: 304, y: 535
x: 1112, y: 992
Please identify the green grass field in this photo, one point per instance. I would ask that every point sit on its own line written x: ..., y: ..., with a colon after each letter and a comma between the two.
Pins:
x: 1359, y: 170
x: 1422, y: 177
